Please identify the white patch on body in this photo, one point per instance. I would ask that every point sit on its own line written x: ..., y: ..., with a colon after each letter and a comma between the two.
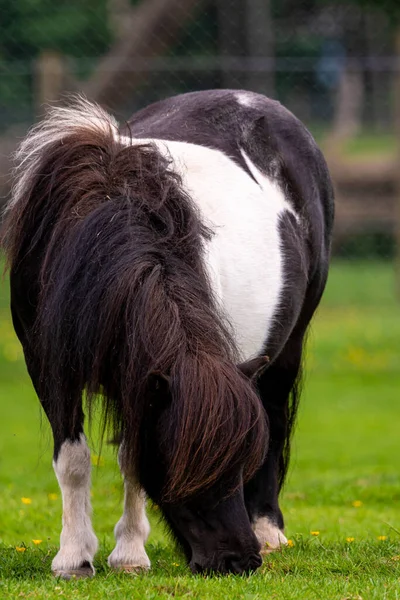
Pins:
x: 269, y: 535
x: 78, y: 543
x: 132, y: 530
x: 244, y: 258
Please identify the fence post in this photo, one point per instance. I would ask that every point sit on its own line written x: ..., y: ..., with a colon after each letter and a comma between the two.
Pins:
x: 49, y: 79
x: 260, y: 43
x: 231, y: 38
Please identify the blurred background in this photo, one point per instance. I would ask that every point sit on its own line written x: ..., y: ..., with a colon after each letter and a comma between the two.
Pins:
x: 336, y: 65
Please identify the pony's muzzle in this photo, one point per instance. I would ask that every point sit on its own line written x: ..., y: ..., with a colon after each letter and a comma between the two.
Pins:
x: 229, y: 563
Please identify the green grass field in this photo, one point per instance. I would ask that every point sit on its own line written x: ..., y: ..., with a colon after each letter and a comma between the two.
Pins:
x: 344, y: 482
x: 365, y: 144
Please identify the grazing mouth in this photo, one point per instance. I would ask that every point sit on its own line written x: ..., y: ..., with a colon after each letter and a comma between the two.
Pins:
x: 229, y: 564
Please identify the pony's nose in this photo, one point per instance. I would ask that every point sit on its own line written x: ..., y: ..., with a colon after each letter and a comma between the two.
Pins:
x: 197, y: 567
x: 230, y: 563
x: 245, y: 564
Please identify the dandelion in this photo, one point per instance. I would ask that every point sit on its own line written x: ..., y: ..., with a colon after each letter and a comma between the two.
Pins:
x: 290, y: 543
x: 357, y: 503
x: 356, y: 356
x: 20, y: 548
x: 314, y: 533
x: 382, y: 538
x: 175, y: 564
x: 349, y: 539
x: 26, y: 500
x: 37, y: 542
x: 97, y: 461
x: 52, y: 496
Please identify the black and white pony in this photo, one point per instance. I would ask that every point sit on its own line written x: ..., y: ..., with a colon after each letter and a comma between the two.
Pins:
x: 171, y: 267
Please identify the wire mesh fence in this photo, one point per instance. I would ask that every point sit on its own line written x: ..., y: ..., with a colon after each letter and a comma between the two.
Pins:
x: 334, y: 64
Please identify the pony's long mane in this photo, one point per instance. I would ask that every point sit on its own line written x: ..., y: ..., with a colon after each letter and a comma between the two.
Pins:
x: 123, y: 292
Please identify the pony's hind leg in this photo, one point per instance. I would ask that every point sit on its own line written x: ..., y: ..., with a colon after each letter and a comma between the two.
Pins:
x: 275, y: 386
x: 132, y: 529
x: 78, y: 543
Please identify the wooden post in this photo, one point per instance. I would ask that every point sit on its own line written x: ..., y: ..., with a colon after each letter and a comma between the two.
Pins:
x: 260, y: 43
x: 49, y: 80
x: 231, y: 38
x: 119, y: 16
x: 397, y: 174
x: 154, y: 26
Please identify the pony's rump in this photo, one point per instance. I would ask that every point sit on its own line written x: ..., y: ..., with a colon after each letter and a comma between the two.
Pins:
x: 123, y: 293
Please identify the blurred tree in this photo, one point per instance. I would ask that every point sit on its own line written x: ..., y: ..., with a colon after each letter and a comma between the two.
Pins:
x: 390, y: 7
x: 152, y: 28
x: 30, y: 27
x: 72, y: 27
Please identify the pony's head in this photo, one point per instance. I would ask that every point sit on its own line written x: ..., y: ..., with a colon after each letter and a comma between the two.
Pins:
x: 199, y: 487
x: 214, y: 531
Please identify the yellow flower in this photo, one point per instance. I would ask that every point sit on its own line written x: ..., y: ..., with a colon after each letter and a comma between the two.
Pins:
x: 26, y: 500
x: 290, y: 543
x: 357, y: 503
x: 37, y: 542
x: 349, y: 539
x: 356, y: 356
x: 175, y: 564
x: 382, y: 538
x: 315, y: 533
x: 20, y: 548
x: 97, y: 461
x: 396, y: 558
x: 52, y: 496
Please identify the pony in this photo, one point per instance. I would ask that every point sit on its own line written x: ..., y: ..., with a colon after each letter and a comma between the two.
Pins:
x: 169, y: 270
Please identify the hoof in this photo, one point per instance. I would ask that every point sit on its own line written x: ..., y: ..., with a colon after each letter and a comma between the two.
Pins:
x: 129, y: 562
x: 271, y: 538
x: 131, y: 569
x: 84, y: 571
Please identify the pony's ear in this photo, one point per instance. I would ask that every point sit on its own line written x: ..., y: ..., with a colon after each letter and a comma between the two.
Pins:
x: 158, y: 391
x: 158, y: 382
x: 254, y: 367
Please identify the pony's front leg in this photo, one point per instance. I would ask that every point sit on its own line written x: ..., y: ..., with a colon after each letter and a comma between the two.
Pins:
x: 131, y: 531
x: 78, y: 543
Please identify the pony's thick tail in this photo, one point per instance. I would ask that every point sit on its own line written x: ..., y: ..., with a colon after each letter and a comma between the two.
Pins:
x: 123, y: 293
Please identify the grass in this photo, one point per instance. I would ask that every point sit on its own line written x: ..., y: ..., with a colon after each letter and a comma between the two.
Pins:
x: 344, y: 480
x: 365, y: 144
